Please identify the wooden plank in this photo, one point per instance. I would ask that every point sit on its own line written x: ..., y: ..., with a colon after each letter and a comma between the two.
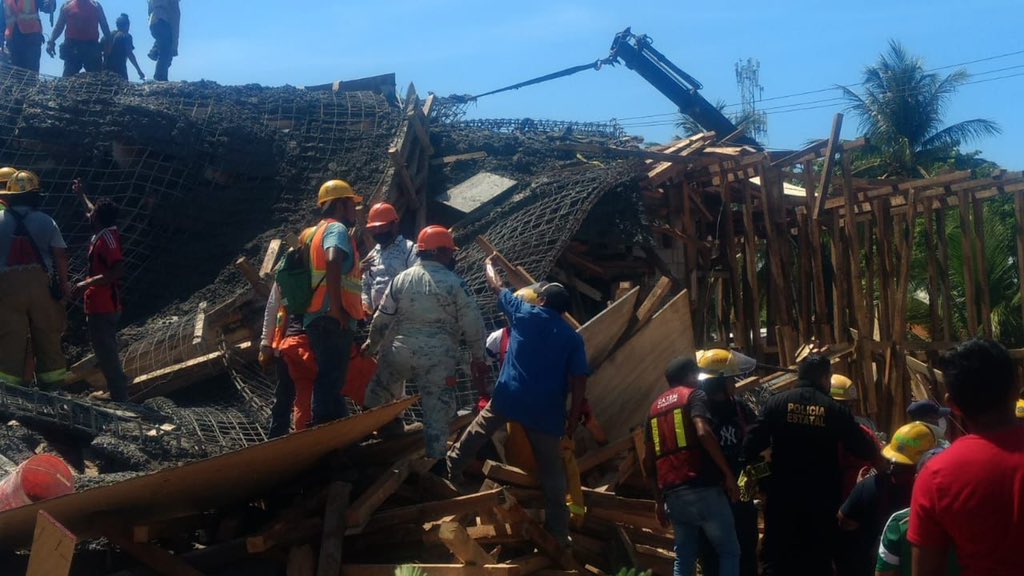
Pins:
x: 595, y: 458
x: 944, y: 282
x: 335, y: 514
x: 459, y: 158
x: 727, y: 247
x: 934, y: 267
x: 270, y: 259
x: 826, y: 171
x: 621, y: 390
x: 199, y: 486
x: 531, y: 564
x: 301, y: 561
x: 432, y: 511
x: 906, y: 248
x: 603, y: 331
x: 983, y: 279
x: 515, y: 515
x: 505, y: 474
x: 252, y: 277
x: 970, y: 271
x: 359, y: 513
x: 652, y: 303
x: 751, y: 290
x: 431, y: 569
x: 633, y: 512
x: 53, y: 548
x: 861, y: 299
x: 455, y: 537
x: 157, y: 559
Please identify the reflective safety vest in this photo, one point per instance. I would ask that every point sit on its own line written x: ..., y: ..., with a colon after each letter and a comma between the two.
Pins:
x: 351, y: 283
x: 25, y: 15
x: 676, y: 449
x: 83, y: 21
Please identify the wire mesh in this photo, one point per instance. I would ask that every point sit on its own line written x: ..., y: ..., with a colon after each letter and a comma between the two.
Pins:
x: 603, y: 130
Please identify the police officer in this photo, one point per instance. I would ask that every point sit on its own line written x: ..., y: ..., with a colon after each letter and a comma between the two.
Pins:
x: 805, y: 427
x: 417, y: 329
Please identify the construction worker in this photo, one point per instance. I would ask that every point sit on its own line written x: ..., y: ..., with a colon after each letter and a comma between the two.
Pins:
x: 285, y: 344
x: 970, y: 498
x: 122, y: 50
x: 24, y: 31
x: 336, y: 304
x: 875, y: 499
x: 854, y: 469
x: 805, y: 427
x: 389, y: 257
x: 415, y: 334
x: 84, y: 19
x: 33, y: 285
x: 103, y: 291
x: 5, y: 174
x: 894, y: 553
x: 545, y: 363
x: 164, y: 25
x: 687, y: 472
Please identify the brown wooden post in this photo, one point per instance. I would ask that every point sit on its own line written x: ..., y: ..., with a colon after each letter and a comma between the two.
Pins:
x: 934, y: 292
x: 983, y: 280
x: 750, y: 288
x: 861, y: 301
x: 970, y: 270
x: 727, y: 244
x: 942, y: 237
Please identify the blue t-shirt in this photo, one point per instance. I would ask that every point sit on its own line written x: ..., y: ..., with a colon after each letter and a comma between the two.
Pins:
x: 336, y: 236
x: 543, y: 353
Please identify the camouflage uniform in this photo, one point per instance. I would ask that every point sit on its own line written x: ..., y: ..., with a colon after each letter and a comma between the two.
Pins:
x: 382, y: 265
x: 417, y: 329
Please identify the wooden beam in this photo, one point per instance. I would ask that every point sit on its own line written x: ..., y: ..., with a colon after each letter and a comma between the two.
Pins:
x: 751, y: 290
x: 983, y: 279
x: 157, y: 559
x: 970, y: 271
x: 432, y: 511
x: 652, y: 303
x: 53, y: 548
x: 727, y: 247
x: 906, y: 248
x: 270, y: 259
x: 359, y: 513
x: 333, y: 537
x: 826, y: 171
x: 505, y: 474
x: 459, y: 158
x: 455, y: 537
x: 431, y: 569
x: 595, y: 458
x: 515, y: 515
x: 253, y: 277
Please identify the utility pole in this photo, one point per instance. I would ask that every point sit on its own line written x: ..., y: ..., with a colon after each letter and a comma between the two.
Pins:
x: 748, y: 81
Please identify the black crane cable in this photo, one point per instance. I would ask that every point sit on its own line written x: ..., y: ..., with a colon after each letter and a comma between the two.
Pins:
x: 553, y: 76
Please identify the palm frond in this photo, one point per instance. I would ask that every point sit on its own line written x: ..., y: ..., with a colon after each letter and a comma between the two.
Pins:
x: 962, y: 133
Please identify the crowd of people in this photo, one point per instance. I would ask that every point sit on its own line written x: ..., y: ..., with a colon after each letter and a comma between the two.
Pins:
x: 944, y: 495
x: 88, y: 44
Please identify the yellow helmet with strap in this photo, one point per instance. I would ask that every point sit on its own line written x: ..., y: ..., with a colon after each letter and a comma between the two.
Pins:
x: 910, y: 443
x: 721, y: 362
x: 843, y: 389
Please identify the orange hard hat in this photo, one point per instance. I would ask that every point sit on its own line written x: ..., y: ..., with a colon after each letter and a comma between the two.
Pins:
x: 381, y: 214
x: 434, y: 237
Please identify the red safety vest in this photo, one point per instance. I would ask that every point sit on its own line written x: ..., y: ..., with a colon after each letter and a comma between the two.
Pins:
x: 676, y: 451
x: 83, y: 20
x: 24, y: 14
x: 351, y: 283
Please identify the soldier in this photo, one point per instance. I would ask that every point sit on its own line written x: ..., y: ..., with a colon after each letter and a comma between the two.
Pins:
x: 392, y: 255
x: 417, y: 329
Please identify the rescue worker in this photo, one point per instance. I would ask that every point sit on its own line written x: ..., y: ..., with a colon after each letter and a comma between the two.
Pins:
x: 416, y: 333
x: 844, y: 391
x: 686, y: 469
x: 102, y: 291
x: 164, y: 25
x: 805, y: 427
x: 84, y: 19
x: 929, y: 412
x: 24, y: 31
x: 5, y: 174
x: 33, y: 285
x: 389, y: 257
x: 545, y: 363
x: 854, y: 469
x: 863, y: 516
x: 285, y: 344
x: 336, y: 306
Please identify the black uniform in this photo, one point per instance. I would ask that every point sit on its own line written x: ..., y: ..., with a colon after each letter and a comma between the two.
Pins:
x: 804, y: 427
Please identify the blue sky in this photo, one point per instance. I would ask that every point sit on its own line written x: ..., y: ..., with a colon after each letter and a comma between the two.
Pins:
x: 452, y: 46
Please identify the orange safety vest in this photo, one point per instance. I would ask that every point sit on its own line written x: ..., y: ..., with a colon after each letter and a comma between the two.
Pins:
x: 24, y: 14
x: 351, y: 283
x: 676, y: 451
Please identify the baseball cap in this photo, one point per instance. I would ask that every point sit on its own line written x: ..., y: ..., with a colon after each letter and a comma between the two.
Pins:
x: 910, y: 443
x: 927, y: 409
x: 555, y: 297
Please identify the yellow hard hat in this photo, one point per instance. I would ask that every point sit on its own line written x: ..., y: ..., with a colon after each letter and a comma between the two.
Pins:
x: 530, y: 294
x: 842, y: 388
x: 6, y: 172
x: 337, y: 189
x: 910, y: 443
x: 22, y: 181
x: 1020, y: 409
x: 720, y: 362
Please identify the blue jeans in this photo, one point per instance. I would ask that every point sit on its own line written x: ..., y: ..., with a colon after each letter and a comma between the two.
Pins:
x: 693, y: 510
x: 332, y: 346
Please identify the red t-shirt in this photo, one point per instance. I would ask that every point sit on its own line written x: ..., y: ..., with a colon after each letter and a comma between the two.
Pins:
x: 971, y: 497
x: 104, y: 253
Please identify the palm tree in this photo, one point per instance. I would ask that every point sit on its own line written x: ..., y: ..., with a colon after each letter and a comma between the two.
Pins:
x: 689, y: 127
x: 902, y: 110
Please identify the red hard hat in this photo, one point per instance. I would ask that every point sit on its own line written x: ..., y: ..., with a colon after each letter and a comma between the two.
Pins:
x: 434, y: 237
x: 381, y: 214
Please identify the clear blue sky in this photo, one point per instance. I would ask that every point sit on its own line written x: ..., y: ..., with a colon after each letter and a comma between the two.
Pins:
x: 457, y: 46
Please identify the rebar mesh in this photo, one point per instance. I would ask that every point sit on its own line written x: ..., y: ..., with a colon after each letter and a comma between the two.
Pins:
x: 603, y: 130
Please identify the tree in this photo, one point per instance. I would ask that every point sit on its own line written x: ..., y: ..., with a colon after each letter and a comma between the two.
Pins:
x: 690, y: 127
x: 902, y: 110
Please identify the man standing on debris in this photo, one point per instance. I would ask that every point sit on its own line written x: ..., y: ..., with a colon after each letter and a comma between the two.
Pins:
x: 33, y: 285
x: 84, y: 19
x: 545, y: 362
x: 164, y: 25
x: 286, y: 345
x: 685, y: 467
x: 970, y: 498
x: 805, y: 428
x: 336, y: 304
x: 24, y: 31
x: 392, y: 255
x: 102, y: 290
x: 424, y: 314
